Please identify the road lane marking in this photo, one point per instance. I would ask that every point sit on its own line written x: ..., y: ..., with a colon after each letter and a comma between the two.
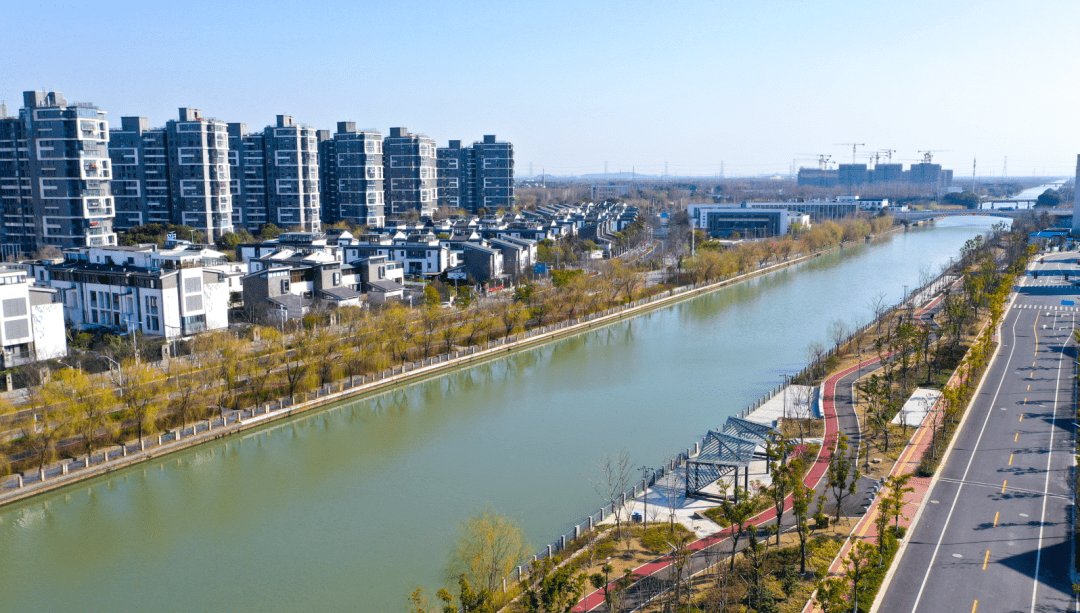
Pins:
x: 1021, y: 417
x: 971, y: 459
x: 996, y: 517
x: 1029, y: 387
x: 1025, y: 400
x: 975, y: 606
x: 1010, y: 459
x: 986, y: 560
x: 1046, y: 483
x: 1003, y: 484
x: 1017, y: 437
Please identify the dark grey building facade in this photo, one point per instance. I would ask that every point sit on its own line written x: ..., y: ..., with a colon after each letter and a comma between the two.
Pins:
x: 410, y: 173
x: 140, y: 164
x: 351, y: 171
x: 199, y: 173
x: 55, y: 175
x: 478, y: 176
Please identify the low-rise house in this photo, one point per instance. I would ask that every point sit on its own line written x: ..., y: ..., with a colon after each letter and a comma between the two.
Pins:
x: 169, y: 292
x: 31, y: 320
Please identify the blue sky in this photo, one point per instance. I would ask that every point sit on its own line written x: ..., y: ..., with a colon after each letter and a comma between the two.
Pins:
x: 755, y: 85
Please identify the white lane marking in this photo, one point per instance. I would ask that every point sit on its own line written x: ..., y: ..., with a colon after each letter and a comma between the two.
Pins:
x: 1046, y: 484
x: 967, y: 469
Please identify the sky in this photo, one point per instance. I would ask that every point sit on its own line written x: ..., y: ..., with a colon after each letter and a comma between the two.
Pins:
x: 753, y: 86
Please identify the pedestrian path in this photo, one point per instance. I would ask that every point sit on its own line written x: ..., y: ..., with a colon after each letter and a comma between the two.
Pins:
x: 700, y: 561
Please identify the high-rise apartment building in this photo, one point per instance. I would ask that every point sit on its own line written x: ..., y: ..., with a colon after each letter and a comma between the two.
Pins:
x: 199, y: 173
x: 247, y: 174
x: 351, y: 167
x: 55, y: 175
x: 494, y: 174
x: 475, y: 177
x: 457, y: 176
x: 16, y: 197
x: 410, y: 173
x: 292, y: 175
x: 140, y: 164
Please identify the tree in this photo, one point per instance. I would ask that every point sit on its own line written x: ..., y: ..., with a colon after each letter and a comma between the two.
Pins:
x: 51, y: 421
x: 557, y: 591
x: 612, y: 481
x: 511, y: 317
x: 737, y: 514
x: 489, y: 546
x: 801, y: 497
x: 431, y: 296
x: 297, y: 367
x: 90, y: 403
x: 1048, y: 198
x: 782, y: 477
x: 140, y: 386
x: 430, y: 320
x: 842, y: 475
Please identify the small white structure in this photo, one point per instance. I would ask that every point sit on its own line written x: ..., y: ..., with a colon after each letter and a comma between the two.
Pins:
x: 917, y: 407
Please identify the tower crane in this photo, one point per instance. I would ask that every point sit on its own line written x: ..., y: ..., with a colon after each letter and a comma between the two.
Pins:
x: 853, y: 147
x: 888, y: 153
x: 928, y: 155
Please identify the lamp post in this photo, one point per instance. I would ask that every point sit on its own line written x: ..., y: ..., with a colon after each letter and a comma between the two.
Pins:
x: 119, y: 373
x: 645, y: 495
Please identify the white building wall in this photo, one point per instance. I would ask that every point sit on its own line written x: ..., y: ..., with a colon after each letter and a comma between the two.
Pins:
x: 50, y: 337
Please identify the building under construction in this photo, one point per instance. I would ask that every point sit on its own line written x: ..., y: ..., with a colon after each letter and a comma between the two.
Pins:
x: 924, y: 173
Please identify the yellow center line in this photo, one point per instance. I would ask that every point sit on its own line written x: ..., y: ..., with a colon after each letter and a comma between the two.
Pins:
x: 1017, y: 437
x: 975, y: 606
x: 986, y: 560
x: 996, y: 517
x: 1029, y: 387
x: 1021, y: 417
x: 1010, y: 459
x: 1006, y: 482
x: 1025, y: 400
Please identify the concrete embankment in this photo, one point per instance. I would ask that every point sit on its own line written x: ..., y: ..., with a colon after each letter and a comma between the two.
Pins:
x: 61, y: 474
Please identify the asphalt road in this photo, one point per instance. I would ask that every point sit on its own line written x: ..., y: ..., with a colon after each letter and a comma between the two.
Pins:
x: 995, y: 532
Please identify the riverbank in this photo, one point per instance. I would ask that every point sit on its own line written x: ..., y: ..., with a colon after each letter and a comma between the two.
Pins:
x: 67, y: 472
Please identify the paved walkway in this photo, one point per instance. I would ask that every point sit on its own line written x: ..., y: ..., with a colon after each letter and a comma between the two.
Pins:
x: 840, y: 418
x: 655, y: 575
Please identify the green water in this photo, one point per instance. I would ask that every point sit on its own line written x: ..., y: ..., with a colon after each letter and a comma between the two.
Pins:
x: 351, y: 508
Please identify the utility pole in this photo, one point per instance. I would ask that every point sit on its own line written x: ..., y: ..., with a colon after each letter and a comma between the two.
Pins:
x: 973, y: 160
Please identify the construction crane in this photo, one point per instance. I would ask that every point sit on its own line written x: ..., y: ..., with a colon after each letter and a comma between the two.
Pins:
x: 888, y: 153
x: 823, y: 161
x: 853, y: 147
x: 928, y: 155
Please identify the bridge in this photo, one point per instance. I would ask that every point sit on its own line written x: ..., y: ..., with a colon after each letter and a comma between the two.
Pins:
x: 1061, y: 212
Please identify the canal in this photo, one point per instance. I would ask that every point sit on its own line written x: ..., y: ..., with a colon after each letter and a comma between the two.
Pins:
x: 351, y: 508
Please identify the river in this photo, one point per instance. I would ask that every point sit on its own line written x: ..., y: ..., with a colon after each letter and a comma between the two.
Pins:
x: 351, y: 508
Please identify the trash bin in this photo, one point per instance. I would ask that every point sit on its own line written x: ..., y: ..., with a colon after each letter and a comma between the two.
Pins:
x: 635, y: 517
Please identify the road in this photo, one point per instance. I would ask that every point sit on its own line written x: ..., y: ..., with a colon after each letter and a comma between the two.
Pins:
x: 994, y: 534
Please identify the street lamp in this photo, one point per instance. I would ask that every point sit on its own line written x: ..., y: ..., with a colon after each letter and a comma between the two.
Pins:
x: 645, y: 495
x: 119, y: 373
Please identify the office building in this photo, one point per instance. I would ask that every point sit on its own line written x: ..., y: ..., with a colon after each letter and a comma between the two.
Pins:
x: 140, y: 183
x: 351, y: 167
x: 55, y: 175
x: 480, y: 176
x: 725, y: 220
x: 410, y: 173
x: 199, y: 173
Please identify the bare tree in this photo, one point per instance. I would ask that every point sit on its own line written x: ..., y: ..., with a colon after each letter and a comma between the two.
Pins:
x: 614, y: 474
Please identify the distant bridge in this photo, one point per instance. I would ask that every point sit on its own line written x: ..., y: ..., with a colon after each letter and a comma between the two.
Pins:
x: 1060, y: 212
